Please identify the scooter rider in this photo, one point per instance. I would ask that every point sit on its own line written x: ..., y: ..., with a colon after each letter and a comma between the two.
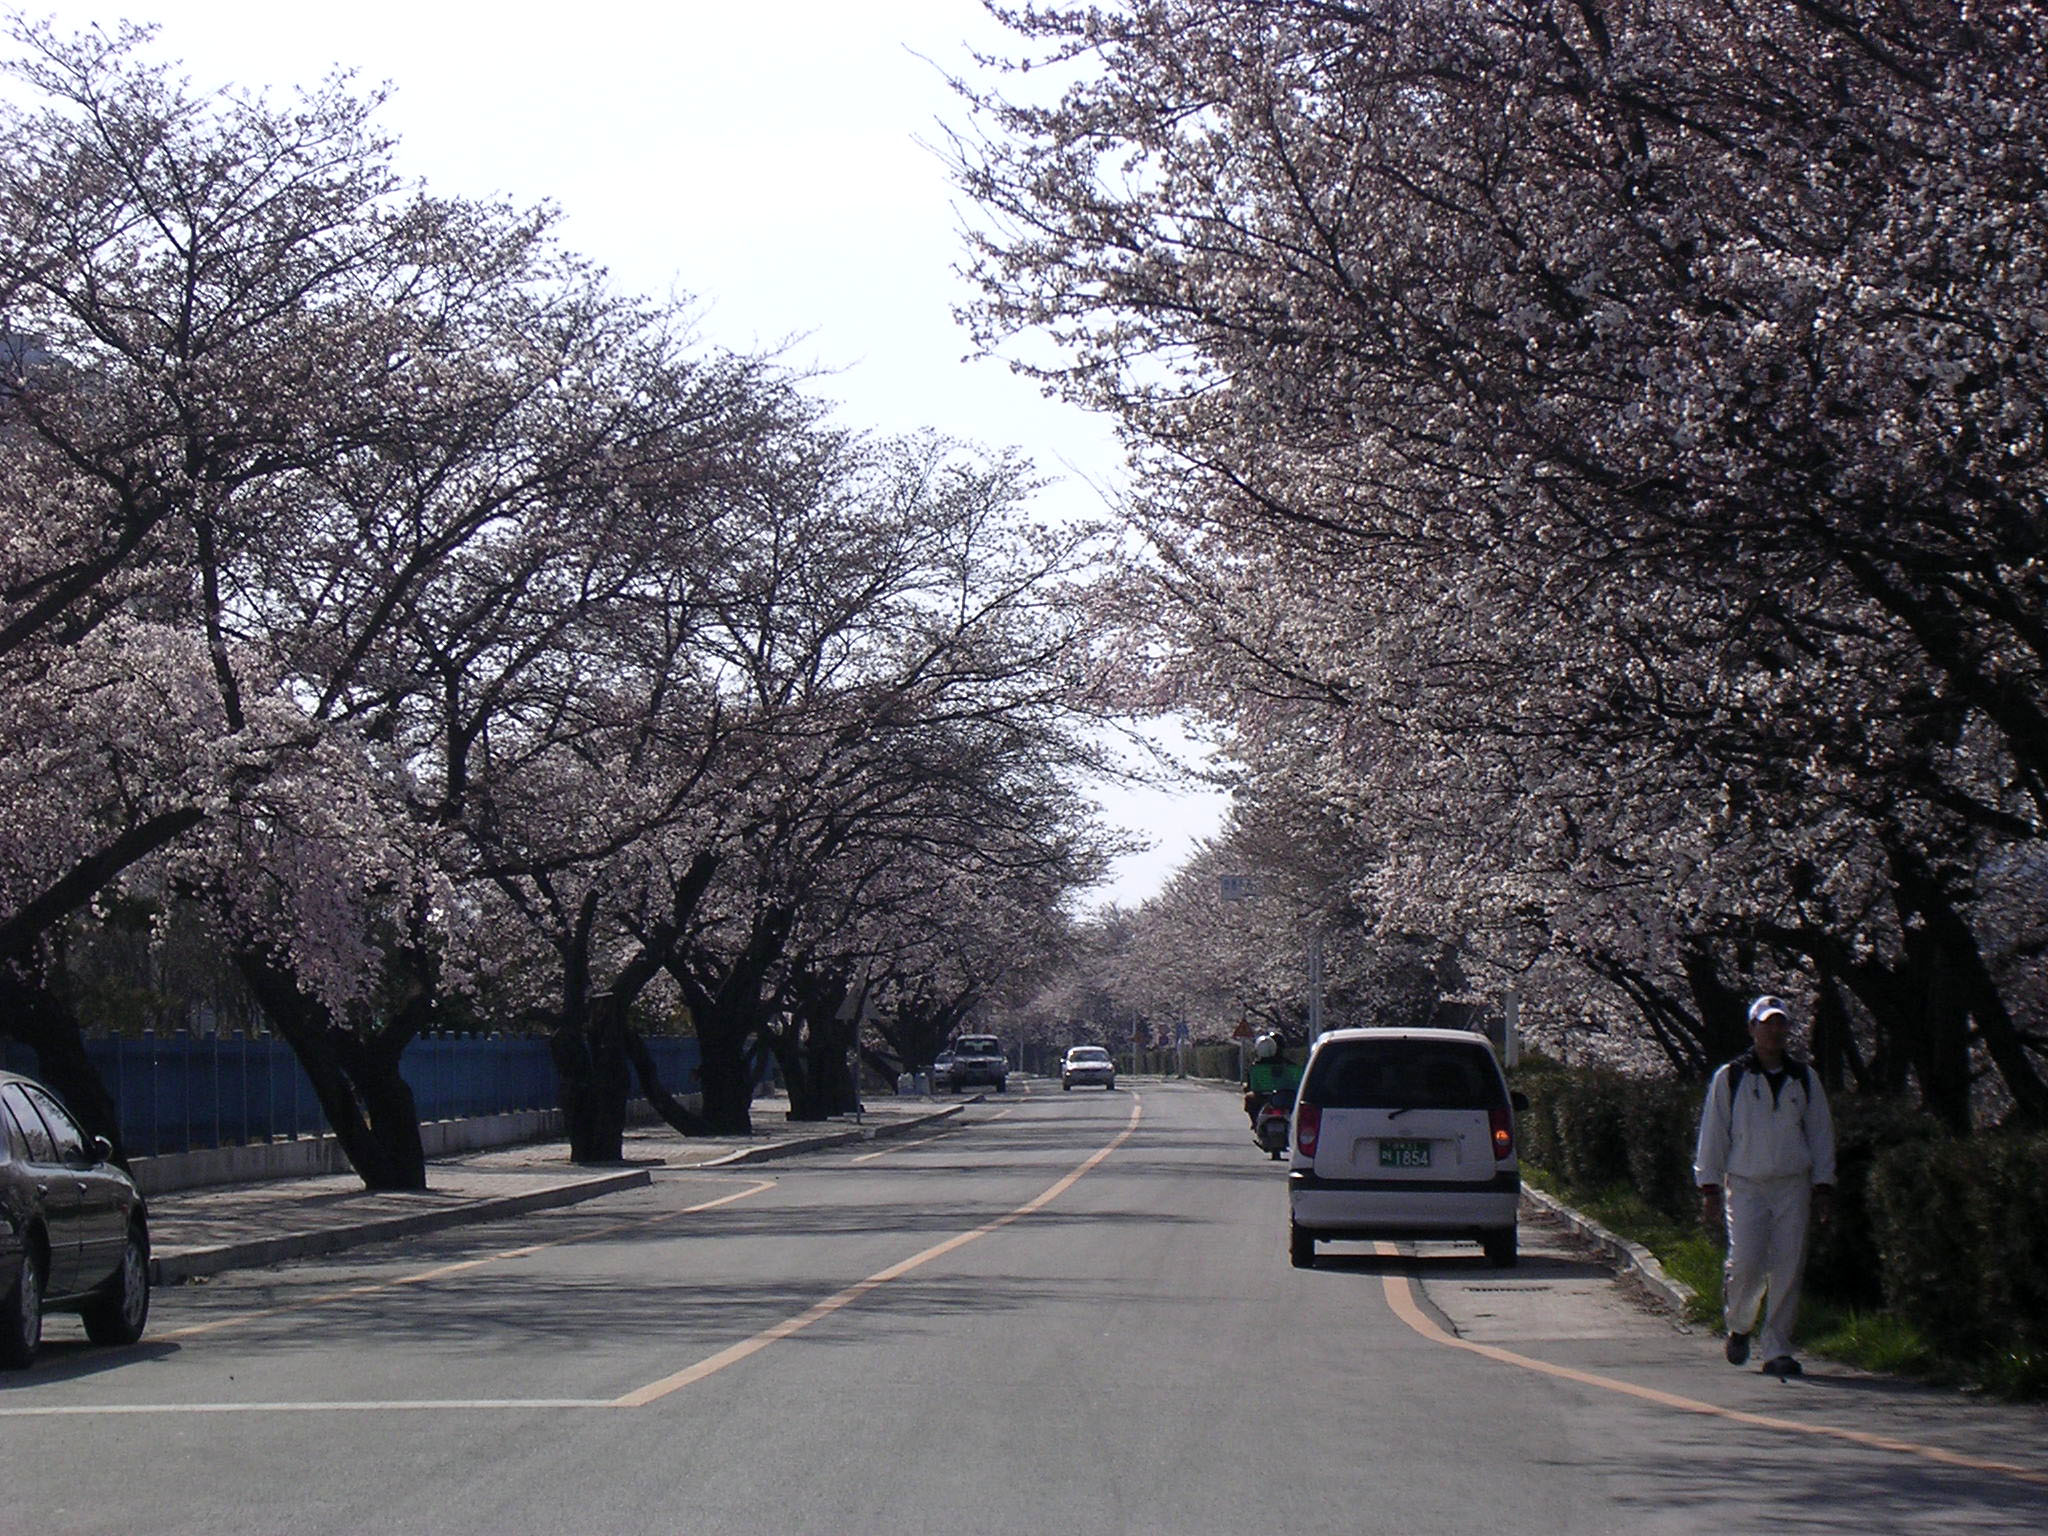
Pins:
x: 1269, y: 1075
x: 1765, y: 1161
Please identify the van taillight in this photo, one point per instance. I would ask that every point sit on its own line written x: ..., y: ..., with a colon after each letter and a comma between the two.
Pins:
x: 1308, y: 1126
x: 1503, y: 1133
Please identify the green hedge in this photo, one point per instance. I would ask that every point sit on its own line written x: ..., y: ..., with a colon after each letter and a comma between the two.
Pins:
x: 1659, y: 1119
x: 1961, y: 1231
x: 1843, y: 1262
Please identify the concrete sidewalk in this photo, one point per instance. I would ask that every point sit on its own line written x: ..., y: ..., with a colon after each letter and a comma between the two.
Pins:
x: 243, y: 1226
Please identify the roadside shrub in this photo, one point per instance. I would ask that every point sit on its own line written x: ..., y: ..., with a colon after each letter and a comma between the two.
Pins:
x: 2012, y: 1214
x: 1961, y: 1229
x: 1943, y: 1242
x: 1843, y: 1263
x: 1592, y: 1132
x: 1543, y: 1083
x: 1659, y: 1122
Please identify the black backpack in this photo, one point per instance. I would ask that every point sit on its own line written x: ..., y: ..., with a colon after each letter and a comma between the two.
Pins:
x: 1741, y: 1066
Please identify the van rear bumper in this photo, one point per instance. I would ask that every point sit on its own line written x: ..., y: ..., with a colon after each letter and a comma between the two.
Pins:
x: 1397, y: 1208
x: 1509, y: 1183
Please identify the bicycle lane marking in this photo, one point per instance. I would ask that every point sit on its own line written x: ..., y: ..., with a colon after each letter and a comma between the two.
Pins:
x: 1400, y: 1294
x: 903, y: 1146
x: 732, y: 1354
x: 922, y: 1141
x: 653, y: 1391
x: 347, y: 1293
x: 460, y: 1266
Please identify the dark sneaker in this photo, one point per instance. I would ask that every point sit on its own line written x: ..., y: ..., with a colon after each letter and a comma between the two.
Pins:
x: 1738, y: 1348
x: 1784, y: 1367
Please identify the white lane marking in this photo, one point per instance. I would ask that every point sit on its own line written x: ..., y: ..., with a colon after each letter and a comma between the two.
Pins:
x: 117, y: 1410
x: 899, y: 1146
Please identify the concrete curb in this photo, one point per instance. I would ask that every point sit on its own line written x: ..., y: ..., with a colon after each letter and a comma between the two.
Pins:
x: 1633, y: 1258
x: 792, y: 1146
x: 904, y: 1127
x: 254, y: 1253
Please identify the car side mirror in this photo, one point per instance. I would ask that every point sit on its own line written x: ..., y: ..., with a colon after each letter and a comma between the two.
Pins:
x: 1520, y: 1100
x: 102, y: 1150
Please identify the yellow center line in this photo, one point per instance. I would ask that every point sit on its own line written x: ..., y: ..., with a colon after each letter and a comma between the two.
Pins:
x: 1400, y: 1294
x: 732, y: 1354
x: 443, y: 1271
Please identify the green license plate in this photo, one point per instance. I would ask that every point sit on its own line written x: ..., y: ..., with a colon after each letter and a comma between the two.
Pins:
x: 1404, y: 1154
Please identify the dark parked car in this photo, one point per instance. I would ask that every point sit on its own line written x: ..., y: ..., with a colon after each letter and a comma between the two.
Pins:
x: 74, y: 1234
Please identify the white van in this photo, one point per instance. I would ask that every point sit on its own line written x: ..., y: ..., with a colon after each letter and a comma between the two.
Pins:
x: 1403, y: 1133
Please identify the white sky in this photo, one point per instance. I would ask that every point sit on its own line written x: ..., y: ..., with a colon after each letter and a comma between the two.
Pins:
x: 767, y: 161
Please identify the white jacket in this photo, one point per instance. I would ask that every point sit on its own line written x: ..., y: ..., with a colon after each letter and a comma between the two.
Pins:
x: 1760, y: 1137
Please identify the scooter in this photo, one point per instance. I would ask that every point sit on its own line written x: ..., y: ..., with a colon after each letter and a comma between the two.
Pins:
x: 1269, y: 1124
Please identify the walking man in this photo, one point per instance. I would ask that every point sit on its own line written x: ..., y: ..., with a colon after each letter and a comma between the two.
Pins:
x: 1765, y: 1162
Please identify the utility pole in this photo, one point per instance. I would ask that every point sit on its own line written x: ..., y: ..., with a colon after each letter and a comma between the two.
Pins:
x: 1315, y: 983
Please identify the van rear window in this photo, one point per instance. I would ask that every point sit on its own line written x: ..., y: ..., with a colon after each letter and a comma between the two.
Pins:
x: 1404, y: 1074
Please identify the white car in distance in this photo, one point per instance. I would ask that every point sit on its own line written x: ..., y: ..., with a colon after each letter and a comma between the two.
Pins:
x: 1088, y: 1064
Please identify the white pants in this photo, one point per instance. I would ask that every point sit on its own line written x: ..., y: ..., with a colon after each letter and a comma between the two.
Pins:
x: 1766, y: 1257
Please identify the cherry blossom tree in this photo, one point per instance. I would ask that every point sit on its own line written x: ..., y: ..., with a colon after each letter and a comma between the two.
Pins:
x: 441, y: 620
x: 212, y: 304
x: 1612, y: 434
x: 897, y: 638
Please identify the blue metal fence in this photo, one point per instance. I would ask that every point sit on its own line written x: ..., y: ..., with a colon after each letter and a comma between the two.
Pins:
x: 182, y: 1093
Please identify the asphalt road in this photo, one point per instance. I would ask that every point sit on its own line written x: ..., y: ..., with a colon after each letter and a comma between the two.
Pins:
x: 1061, y: 1313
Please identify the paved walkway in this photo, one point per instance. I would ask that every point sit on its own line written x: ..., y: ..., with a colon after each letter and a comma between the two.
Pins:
x: 242, y: 1226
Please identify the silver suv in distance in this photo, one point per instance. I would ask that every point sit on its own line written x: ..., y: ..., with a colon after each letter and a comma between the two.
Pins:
x: 979, y: 1059
x: 1403, y: 1133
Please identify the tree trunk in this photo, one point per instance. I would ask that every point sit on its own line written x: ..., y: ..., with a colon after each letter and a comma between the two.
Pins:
x: 796, y: 1072
x: 826, y: 1049
x: 722, y: 1069
x: 672, y: 1111
x: 589, y: 1048
x: 724, y: 998
x: 367, y: 1101
x: 1960, y: 989
x: 1722, y: 1012
x: 1834, y: 1044
x: 1936, y: 1013
x: 43, y: 1019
